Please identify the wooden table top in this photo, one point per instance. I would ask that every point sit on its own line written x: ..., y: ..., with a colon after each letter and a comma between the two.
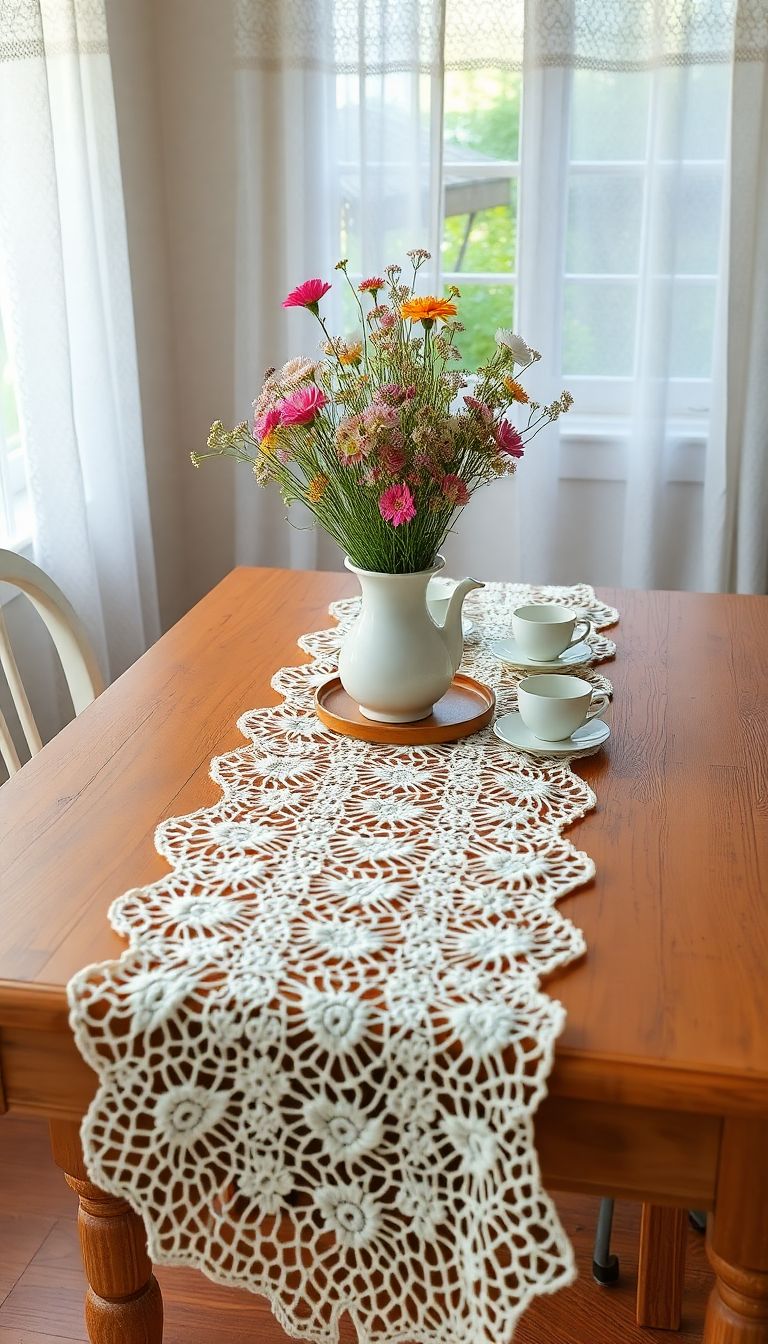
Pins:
x: 670, y: 1005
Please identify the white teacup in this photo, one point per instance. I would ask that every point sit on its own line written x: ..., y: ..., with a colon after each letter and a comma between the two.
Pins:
x: 543, y: 630
x: 553, y: 706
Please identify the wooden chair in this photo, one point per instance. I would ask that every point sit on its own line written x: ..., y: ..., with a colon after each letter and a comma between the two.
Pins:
x: 78, y: 661
x: 661, y: 1264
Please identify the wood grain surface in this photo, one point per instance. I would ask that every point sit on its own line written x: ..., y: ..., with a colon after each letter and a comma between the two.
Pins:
x: 466, y: 707
x: 669, y: 1007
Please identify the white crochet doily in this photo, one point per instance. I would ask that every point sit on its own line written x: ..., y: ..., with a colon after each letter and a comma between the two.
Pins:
x: 320, y: 1057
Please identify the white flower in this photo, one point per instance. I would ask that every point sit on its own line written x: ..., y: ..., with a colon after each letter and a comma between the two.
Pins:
x: 184, y: 1114
x: 297, y: 370
x: 488, y: 943
x: 484, y: 1028
x: 516, y: 346
x: 337, y: 1020
x: 153, y: 997
x: 475, y: 1141
x: 424, y: 1208
x: 264, y: 1179
x: 343, y: 938
x: 352, y: 1213
x: 345, y: 1131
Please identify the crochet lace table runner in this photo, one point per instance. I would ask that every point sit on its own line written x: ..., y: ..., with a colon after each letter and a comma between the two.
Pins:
x: 320, y: 1057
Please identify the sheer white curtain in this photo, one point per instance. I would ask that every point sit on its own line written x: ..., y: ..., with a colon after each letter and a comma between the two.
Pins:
x: 736, y: 486
x: 68, y: 316
x: 642, y: 240
x: 338, y: 123
x: 641, y: 254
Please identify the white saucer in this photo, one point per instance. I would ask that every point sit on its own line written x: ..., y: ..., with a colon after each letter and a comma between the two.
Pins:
x: 588, y: 738
x: 509, y: 652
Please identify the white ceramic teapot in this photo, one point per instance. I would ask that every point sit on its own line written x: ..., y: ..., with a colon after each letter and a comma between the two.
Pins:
x: 397, y: 661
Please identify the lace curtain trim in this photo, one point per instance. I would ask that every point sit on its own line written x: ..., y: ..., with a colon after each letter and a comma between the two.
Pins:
x: 34, y: 29
x: 428, y: 36
x: 320, y: 1057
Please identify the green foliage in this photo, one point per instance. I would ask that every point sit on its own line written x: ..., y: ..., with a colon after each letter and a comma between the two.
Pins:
x: 482, y: 113
x: 483, y: 309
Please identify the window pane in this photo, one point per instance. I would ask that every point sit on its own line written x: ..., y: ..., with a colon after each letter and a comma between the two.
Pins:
x: 610, y: 114
x: 482, y: 113
x: 479, y: 239
x: 599, y: 328
x: 604, y: 221
x: 688, y: 219
x: 693, y: 320
x: 9, y: 418
x: 482, y: 309
x: 693, y: 111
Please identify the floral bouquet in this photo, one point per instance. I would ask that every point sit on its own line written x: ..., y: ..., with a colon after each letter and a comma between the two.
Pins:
x: 382, y: 437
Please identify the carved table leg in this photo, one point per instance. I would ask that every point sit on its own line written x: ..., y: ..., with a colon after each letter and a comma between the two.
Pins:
x: 737, y: 1238
x: 123, y: 1304
x: 661, y: 1269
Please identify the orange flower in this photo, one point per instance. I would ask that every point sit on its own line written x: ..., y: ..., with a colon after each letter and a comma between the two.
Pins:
x: 516, y: 391
x: 428, y: 309
x: 351, y: 354
x: 317, y: 487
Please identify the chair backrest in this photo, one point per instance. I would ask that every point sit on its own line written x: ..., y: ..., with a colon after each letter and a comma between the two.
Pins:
x: 78, y: 661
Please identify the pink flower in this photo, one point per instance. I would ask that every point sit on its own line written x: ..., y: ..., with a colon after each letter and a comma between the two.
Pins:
x: 264, y: 425
x: 386, y: 320
x: 371, y: 286
x: 392, y: 459
x: 454, y: 490
x: 392, y: 394
x: 396, y: 505
x: 508, y: 440
x: 301, y: 406
x: 479, y: 408
x: 307, y: 295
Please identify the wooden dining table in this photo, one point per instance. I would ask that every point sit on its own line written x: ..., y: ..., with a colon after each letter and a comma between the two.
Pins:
x: 659, y: 1091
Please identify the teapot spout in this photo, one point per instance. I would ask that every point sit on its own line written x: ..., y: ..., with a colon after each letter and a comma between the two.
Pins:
x: 451, y: 628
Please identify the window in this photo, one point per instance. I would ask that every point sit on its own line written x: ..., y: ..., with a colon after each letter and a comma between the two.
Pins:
x: 645, y: 181
x: 481, y: 169
x: 15, y: 504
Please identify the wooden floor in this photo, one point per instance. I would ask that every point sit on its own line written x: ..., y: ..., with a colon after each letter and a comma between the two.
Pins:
x: 41, y: 1282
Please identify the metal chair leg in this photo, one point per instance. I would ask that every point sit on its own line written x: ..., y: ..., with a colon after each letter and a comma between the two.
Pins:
x: 697, y: 1219
x: 605, y: 1266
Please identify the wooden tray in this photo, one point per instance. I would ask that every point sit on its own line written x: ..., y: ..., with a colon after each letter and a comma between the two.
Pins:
x: 466, y: 707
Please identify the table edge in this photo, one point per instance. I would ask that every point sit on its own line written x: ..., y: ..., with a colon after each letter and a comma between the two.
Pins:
x: 42, y: 1008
